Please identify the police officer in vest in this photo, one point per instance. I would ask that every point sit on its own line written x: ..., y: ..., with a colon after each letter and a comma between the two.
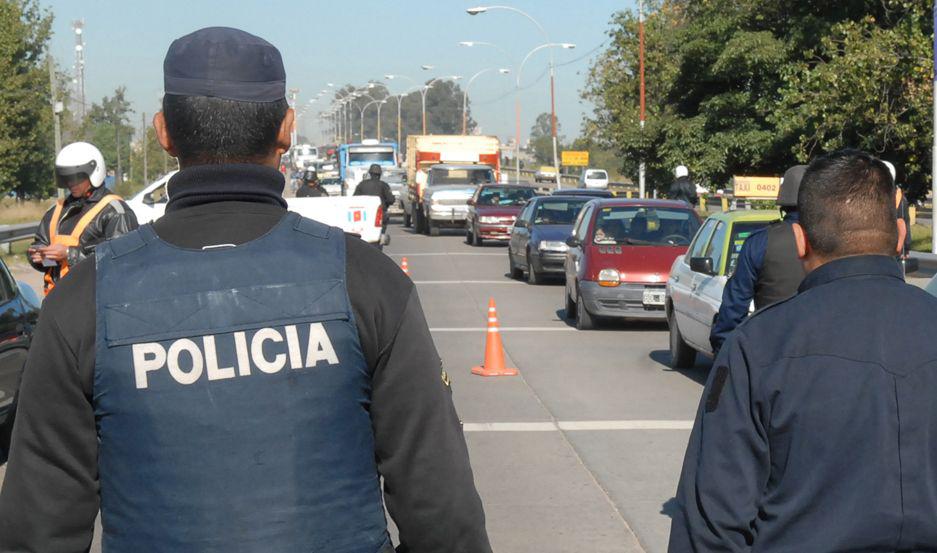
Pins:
x: 90, y: 214
x: 816, y: 428
x: 768, y: 269
x: 234, y: 377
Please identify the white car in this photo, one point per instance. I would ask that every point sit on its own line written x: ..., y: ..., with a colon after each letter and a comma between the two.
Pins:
x: 697, y: 279
x: 594, y: 178
x: 360, y: 215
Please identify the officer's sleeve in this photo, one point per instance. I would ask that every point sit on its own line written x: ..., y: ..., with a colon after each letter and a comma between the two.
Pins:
x: 739, y: 290
x: 49, y: 498
x: 727, y: 461
x: 429, y: 489
x: 41, y: 239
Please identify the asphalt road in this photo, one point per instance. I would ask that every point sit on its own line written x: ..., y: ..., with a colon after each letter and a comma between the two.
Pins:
x: 582, y: 450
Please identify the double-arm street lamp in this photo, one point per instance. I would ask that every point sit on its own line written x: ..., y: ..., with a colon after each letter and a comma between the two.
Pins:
x: 503, y: 71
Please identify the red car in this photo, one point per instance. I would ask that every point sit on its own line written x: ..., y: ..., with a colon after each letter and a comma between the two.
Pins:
x: 492, y: 211
x: 619, y: 258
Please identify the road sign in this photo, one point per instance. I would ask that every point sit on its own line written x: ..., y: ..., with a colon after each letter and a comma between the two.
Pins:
x: 573, y: 158
x: 756, y: 187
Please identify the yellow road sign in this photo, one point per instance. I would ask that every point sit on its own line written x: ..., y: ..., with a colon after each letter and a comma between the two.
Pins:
x: 756, y: 187
x: 572, y: 158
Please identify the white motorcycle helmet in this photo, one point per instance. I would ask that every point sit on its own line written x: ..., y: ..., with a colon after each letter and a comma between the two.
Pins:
x: 681, y: 171
x: 78, y: 161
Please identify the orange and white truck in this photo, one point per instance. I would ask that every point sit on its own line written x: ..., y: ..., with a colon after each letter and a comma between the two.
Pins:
x: 424, y: 151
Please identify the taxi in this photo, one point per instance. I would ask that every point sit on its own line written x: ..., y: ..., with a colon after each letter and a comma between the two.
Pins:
x: 694, y: 289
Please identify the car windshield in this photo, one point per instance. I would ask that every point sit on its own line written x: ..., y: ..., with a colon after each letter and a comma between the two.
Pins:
x: 439, y: 175
x: 644, y: 226
x: 362, y: 158
x: 558, y: 212
x: 505, y: 196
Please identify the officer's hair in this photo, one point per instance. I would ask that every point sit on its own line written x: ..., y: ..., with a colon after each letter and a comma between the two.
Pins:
x: 214, y: 130
x: 847, y: 205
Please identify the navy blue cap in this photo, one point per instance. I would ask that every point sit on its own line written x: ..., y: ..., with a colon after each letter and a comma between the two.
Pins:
x: 222, y: 62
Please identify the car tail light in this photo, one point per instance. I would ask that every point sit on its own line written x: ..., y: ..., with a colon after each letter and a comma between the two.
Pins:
x: 609, y: 277
x: 379, y: 220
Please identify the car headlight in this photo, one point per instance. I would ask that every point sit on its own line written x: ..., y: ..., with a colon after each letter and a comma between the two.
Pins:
x: 488, y: 220
x: 609, y: 277
x: 553, y: 246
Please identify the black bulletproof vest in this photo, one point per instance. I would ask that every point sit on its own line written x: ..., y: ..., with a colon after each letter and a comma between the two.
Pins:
x: 782, y: 271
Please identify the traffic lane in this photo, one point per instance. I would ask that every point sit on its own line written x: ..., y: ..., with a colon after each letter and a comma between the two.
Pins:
x: 640, y: 471
x: 539, y: 497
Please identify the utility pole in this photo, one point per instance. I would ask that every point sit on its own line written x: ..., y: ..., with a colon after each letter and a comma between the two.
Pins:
x: 57, y: 106
x: 641, y: 166
x: 933, y: 182
x: 292, y: 98
x: 146, y: 178
x: 118, y: 178
x: 79, y: 26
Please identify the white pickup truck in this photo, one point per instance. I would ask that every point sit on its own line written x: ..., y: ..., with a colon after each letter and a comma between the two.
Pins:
x: 360, y: 215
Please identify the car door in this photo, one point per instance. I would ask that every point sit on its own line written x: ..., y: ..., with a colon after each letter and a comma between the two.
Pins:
x: 14, y: 340
x: 701, y: 309
x: 682, y: 284
x: 574, y: 253
x: 520, y: 233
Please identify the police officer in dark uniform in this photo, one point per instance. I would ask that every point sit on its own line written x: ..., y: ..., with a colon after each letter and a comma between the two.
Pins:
x: 768, y: 269
x: 234, y: 377
x: 815, y: 431
x: 374, y: 186
x: 311, y: 187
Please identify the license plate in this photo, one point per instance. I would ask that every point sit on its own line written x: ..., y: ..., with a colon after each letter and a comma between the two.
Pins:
x: 653, y: 296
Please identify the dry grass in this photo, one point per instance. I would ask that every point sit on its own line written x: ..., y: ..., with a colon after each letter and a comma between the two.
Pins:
x: 13, y: 212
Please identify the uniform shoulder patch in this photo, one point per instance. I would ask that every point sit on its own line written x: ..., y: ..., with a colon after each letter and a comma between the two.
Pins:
x: 715, y: 391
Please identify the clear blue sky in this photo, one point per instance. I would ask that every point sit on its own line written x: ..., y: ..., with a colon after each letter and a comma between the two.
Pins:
x: 350, y: 41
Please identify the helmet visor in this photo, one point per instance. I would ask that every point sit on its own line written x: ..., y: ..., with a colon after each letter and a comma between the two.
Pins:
x: 66, y: 177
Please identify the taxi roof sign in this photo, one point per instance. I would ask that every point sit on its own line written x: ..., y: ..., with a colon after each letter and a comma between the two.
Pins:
x: 573, y: 158
x: 756, y: 187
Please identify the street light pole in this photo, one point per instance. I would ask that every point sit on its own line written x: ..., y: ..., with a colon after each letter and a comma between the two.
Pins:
x: 465, y: 94
x: 641, y: 166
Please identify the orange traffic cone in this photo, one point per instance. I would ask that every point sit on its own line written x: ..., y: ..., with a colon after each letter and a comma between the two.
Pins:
x: 494, y: 351
x: 405, y: 267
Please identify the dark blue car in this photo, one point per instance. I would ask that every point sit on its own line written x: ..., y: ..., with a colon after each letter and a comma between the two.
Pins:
x: 538, y: 239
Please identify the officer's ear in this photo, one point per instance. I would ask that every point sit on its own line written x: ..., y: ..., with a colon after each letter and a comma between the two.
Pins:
x: 902, y: 234
x: 162, y: 134
x: 285, y: 136
x: 800, y: 237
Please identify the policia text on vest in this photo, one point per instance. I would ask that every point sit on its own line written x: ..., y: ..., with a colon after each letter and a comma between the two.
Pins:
x: 268, y: 350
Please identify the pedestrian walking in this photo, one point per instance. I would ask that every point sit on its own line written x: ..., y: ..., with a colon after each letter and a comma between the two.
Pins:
x: 75, y: 225
x: 234, y: 377
x: 815, y: 429
x: 768, y: 269
x: 682, y: 188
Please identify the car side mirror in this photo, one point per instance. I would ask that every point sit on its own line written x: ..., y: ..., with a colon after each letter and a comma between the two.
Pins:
x: 573, y: 242
x: 470, y: 202
x: 702, y: 265
x: 148, y: 200
x: 521, y: 224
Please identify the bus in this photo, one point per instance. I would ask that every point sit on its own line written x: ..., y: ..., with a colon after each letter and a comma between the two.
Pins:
x: 355, y: 159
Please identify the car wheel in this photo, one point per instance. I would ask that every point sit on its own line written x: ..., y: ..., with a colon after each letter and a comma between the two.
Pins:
x: 433, y: 229
x: 570, y: 305
x: 533, y: 277
x: 584, y: 319
x: 514, y: 271
x: 682, y: 355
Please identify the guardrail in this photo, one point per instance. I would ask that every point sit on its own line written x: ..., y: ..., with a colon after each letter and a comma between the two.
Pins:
x: 15, y: 233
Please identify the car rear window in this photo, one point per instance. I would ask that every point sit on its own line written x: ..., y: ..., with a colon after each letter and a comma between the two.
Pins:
x: 504, y: 196
x: 596, y: 175
x: 644, y: 226
x: 740, y: 232
x: 439, y: 175
x: 558, y: 212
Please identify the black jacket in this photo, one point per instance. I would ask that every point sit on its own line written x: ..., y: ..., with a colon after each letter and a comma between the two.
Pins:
x: 818, y: 426
x: 376, y: 187
x: 683, y: 189
x: 50, y: 498
x: 306, y: 191
x: 116, y: 219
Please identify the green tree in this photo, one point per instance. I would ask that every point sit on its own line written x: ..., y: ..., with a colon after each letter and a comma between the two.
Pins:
x: 754, y: 86
x: 541, y: 139
x: 26, y: 141
x: 107, y: 125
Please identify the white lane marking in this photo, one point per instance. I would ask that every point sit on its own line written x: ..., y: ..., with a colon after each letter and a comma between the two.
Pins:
x: 577, y: 425
x: 504, y: 329
x: 435, y: 254
x: 467, y: 282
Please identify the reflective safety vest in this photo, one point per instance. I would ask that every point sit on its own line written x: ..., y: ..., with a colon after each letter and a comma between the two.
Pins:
x: 232, y: 397
x: 71, y: 240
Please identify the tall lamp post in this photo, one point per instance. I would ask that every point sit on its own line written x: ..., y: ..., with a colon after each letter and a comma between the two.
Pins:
x: 933, y: 181
x: 641, y: 166
x: 483, y: 9
x: 426, y: 88
x: 365, y: 108
x: 399, y: 98
x: 465, y: 94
